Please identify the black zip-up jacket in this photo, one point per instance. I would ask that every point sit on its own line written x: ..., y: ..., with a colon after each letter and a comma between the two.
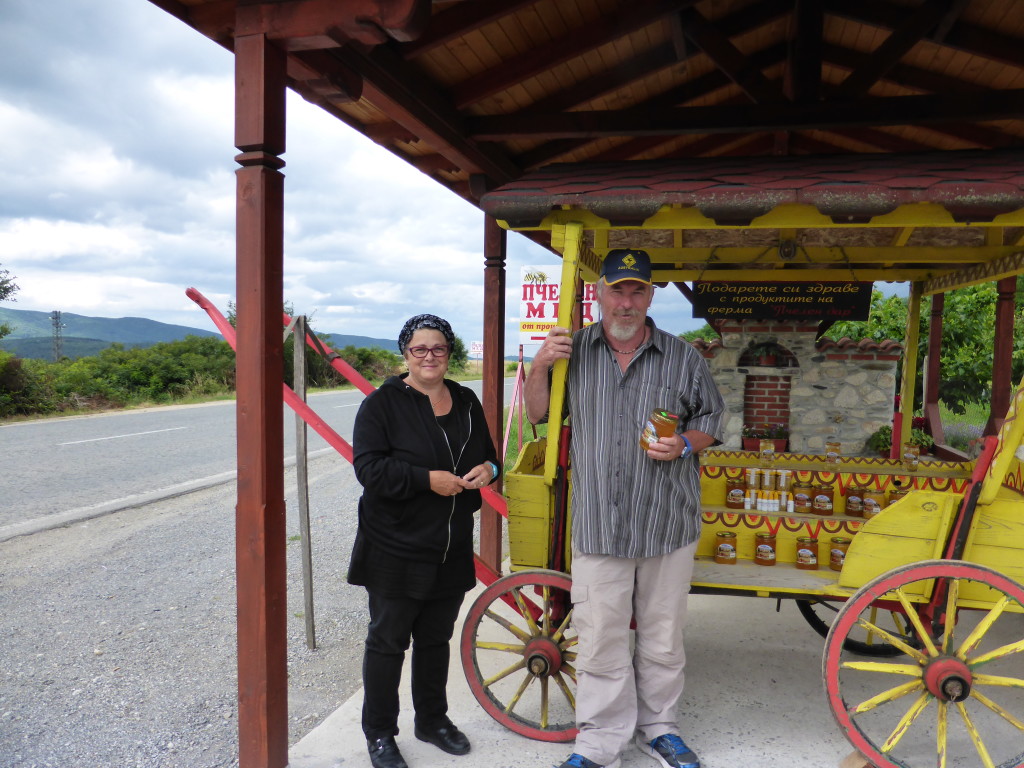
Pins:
x: 396, y: 443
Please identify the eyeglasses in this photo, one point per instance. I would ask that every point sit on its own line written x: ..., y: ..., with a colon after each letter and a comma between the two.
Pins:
x: 420, y: 352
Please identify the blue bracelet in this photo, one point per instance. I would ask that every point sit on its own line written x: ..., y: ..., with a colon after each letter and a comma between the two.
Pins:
x: 688, y: 449
x: 494, y: 469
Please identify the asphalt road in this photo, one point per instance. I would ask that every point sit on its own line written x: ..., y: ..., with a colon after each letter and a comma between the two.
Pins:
x: 65, y: 469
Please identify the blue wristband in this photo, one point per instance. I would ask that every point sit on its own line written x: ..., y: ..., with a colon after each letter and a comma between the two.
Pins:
x: 688, y: 449
x: 494, y: 469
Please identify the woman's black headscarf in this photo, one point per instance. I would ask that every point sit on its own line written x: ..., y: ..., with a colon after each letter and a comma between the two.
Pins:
x: 433, y: 322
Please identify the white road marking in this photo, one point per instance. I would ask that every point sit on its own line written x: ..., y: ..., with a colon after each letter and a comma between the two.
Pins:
x: 116, y: 437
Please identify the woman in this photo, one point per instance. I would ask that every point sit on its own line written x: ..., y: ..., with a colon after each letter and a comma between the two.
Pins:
x: 422, y: 452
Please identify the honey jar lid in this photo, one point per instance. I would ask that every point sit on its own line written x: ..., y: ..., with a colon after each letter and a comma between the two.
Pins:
x: 765, y: 535
x: 726, y: 534
x: 807, y: 540
x: 841, y: 540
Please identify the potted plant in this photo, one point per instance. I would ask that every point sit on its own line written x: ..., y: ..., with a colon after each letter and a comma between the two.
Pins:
x: 753, y: 434
x: 766, y: 353
x: 880, y: 440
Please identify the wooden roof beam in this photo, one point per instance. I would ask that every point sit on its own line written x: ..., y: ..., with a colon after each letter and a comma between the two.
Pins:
x: 802, y: 81
x: 728, y: 58
x: 690, y: 91
x: 606, y: 29
x: 904, y: 37
x: 412, y: 102
x: 298, y: 25
x: 458, y: 21
x: 896, y: 110
x: 970, y: 38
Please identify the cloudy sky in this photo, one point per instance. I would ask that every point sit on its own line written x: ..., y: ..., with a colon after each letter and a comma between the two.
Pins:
x: 118, y: 193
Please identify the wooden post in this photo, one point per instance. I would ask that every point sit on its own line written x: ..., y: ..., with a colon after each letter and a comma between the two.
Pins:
x: 302, y: 480
x: 933, y: 370
x: 1002, y: 355
x: 901, y: 431
x: 260, y: 513
x: 495, y: 240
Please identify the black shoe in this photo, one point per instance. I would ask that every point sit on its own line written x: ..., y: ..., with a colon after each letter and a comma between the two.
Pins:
x: 447, y: 738
x: 384, y: 753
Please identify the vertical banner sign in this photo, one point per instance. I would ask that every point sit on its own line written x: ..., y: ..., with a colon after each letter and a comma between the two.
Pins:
x: 538, y: 305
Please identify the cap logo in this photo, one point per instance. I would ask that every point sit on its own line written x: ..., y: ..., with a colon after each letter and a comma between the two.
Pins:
x: 629, y: 262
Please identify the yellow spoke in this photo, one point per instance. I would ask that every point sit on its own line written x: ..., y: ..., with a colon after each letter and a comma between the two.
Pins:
x: 998, y: 653
x: 893, y: 640
x: 527, y: 679
x: 907, y: 720
x: 524, y: 611
x: 560, y: 681
x: 546, y: 595
x: 978, y: 633
x: 975, y: 736
x: 487, y: 645
x: 911, y: 612
x: 997, y: 709
x: 544, y: 702
x: 507, y: 625
x: 951, y: 600
x: 886, y: 696
x: 940, y: 735
x: 560, y: 632
x: 521, y: 664
x: 570, y: 670
x: 910, y: 670
x: 1005, y: 682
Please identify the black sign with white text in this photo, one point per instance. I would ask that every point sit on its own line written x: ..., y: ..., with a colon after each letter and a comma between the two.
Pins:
x: 781, y: 301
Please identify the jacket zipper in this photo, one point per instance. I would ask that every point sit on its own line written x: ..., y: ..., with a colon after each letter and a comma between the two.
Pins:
x: 455, y: 465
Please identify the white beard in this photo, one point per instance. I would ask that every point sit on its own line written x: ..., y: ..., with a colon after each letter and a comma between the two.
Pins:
x: 624, y: 329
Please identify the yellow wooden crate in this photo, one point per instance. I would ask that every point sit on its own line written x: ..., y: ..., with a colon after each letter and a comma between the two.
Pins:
x: 996, y: 540
x: 529, y: 508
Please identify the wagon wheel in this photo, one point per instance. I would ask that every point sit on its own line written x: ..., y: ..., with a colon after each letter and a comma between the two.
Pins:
x: 821, y: 613
x: 939, y: 706
x: 519, y: 654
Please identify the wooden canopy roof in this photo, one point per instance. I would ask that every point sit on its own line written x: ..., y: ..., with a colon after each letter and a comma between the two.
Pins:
x: 476, y: 93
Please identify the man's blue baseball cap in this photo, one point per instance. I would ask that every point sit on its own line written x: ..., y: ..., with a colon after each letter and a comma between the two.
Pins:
x: 626, y: 264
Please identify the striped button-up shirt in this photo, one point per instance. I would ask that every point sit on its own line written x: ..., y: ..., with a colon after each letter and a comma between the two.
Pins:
x: 624, y: 503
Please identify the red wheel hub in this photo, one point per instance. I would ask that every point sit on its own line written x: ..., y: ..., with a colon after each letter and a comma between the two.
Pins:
x: 543, y: 657
x: 948, y: 678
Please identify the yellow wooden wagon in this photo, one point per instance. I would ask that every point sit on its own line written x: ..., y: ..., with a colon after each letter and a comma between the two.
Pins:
x: 930, y: 587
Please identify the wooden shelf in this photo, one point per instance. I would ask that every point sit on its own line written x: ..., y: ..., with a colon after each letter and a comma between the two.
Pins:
x: 782, y: 579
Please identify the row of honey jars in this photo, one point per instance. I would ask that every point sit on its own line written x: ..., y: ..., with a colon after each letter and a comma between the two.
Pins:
x: 765, y: 552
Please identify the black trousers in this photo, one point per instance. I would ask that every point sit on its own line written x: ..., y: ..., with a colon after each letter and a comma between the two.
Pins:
x: 393, y: 622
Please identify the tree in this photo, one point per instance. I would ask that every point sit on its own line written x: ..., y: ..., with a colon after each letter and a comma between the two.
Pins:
x: 968, y: 335
x: 7, y: 289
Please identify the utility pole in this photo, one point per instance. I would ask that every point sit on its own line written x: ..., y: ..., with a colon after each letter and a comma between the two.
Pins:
x: 58, y: 338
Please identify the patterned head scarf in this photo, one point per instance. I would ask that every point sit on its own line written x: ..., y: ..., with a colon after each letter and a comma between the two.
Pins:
x: 433, y: 322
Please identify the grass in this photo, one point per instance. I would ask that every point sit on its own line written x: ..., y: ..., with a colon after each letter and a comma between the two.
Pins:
x: 961, y: 428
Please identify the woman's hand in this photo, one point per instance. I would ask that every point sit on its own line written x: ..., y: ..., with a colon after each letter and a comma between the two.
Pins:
x: 478, y: 476
x: 445, y: 483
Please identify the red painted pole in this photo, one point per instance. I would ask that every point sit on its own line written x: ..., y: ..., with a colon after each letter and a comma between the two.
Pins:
x: 260, y: 513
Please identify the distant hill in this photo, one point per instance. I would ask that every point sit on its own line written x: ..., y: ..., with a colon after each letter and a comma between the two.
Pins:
x: 32, y: 334
x: 338, y: 341
x: 82, y: 336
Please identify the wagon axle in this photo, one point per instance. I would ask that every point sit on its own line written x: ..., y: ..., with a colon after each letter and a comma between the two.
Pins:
x: 948, y: 679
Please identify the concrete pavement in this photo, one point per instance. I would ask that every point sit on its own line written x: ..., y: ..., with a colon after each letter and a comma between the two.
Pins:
x: 753, y: 697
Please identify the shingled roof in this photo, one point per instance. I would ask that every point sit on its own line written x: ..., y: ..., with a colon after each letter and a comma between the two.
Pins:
x: 973, y: 186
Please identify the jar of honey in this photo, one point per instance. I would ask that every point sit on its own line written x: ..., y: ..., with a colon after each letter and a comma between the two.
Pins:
x: 735, y: 490
x: 895, y: 494
x: 833, y: 449
x: 874, y: 502
x: 802, y: 497
x: 807, y: 553
x: 764, y: 548
x: 855, y: 500
x: 837, y: 552
x: 821, y: 499
x: 659, y: 424
x: 725, y: 547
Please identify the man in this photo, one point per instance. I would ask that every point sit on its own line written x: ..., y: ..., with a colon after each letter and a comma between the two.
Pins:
x: 636, y: 514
